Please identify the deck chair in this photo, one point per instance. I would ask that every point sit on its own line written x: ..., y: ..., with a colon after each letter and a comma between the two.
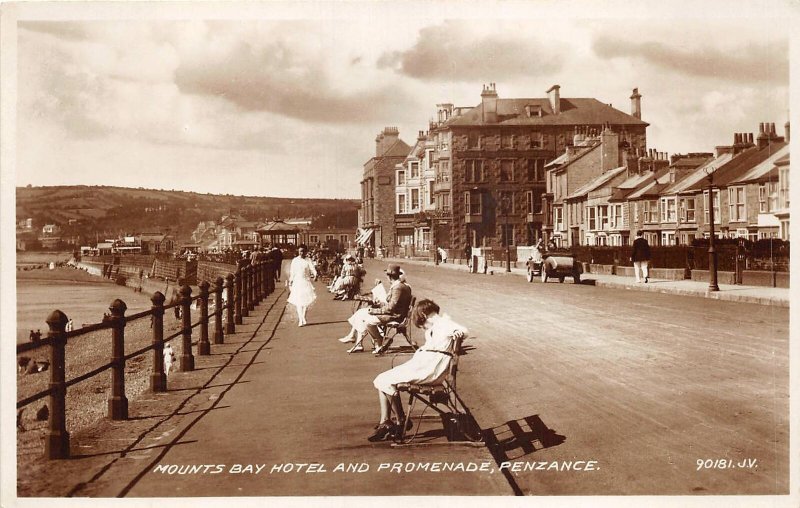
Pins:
x: 457, y: 421
x: 394, y: 328
x: 390, y: 329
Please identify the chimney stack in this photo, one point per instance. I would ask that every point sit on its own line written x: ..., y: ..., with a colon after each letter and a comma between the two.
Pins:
x: 636, y: 104
x: 489, y: 103
x: 385, y: 140
x: 554, y: 95
x: 763, y: 138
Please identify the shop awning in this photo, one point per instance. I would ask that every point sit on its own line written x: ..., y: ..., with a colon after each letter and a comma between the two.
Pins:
x: 364, y: 237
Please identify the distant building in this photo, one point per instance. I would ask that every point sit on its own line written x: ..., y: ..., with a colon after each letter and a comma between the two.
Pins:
x: 156, y: 243
x: 378, y: 190
x: 414, y: 198
x: 490, y: 162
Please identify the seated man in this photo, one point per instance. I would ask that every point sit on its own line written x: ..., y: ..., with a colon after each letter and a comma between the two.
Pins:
x: 395, y: 308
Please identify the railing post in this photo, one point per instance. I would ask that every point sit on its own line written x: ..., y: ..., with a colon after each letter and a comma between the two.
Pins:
x: 203, y: 346
x: 260, y: 278
x: 257, y: 283
x: 56, y: 446
x: 238, y: 293
x: 118, y: 402
x: 245, y: 290
x: 271, y: 273
x: 218, y: 336
x: 264, y: 276
x: 251, y: 302
x: 230, y: 326
x: 187, y: 359
x: 158, y: 379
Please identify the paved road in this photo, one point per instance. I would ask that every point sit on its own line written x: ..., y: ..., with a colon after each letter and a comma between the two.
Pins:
x: 646, y: 384
x: 631, y: 388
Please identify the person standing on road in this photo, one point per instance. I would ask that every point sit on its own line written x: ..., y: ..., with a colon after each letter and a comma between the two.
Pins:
x: 641, y: 257
x: 301, y: 273
x: 278, y: 257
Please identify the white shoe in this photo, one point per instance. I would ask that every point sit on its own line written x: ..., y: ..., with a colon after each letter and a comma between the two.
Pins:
x: 347, y: 339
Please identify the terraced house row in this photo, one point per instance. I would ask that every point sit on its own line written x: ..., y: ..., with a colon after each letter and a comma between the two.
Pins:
x: 572, y: 170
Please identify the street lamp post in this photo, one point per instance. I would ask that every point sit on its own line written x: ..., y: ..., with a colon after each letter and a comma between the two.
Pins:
x: 506, y: 204
x: 712, y: 251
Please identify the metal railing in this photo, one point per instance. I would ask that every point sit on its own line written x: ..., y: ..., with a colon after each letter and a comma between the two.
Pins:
x: 245, y: 288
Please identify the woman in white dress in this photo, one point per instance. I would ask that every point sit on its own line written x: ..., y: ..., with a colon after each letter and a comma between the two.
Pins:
x: 302, y: 294
x: 429, y: 365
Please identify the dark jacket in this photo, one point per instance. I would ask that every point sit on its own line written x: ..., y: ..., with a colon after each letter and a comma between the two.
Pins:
x: 397, y: 304
x: 641, y: 250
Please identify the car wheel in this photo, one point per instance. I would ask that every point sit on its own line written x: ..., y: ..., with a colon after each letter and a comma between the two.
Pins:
x: 530, y: 276
x: 544, y: 275
x: 561, y: 279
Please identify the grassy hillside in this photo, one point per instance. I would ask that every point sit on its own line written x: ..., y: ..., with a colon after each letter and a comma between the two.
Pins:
x: 99, y: 211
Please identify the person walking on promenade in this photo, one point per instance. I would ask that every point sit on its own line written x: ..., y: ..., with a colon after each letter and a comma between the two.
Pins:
x: 429, y: 365
x: 641, y: 257
x: 301, y: 273
x: 278, y: 257
x: 468, y: 255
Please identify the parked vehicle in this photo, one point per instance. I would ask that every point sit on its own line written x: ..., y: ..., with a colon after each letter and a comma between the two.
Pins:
x: 560, y: 266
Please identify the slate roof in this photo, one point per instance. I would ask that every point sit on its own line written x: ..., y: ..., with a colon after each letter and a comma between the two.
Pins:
x: 629, y: 186
x: 697, y: 175
x: 597, y: 182
x: 651, y: 186
x: 578, y: 111
x: 764, y: 167
x: 738, y: 166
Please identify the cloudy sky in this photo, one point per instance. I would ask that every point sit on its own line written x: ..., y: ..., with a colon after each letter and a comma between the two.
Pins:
x: 289, y: 104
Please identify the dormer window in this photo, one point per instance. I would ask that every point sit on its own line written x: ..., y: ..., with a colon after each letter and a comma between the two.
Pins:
x: 533, y: 110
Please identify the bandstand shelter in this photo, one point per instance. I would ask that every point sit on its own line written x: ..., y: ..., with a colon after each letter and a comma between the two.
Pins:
x: 279, y: 233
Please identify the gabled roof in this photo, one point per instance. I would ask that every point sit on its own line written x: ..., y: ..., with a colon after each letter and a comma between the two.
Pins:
x: 651, y: 186
x: 763, y: 168
x: 578, y: 111
x: 577, y: 157
x: 278, y: 227
x: 739, y: 165
x: 629, y: 186
x: 398, y: 149
x: 597, y: 182
x: 697, y: 175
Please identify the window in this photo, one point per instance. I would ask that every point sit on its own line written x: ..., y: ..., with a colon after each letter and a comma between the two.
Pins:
x: 507, y: 234
x: 506, y: 141
x: 536, y: 170
x: 401, y: 178
x: 615, y: 221
x: 505, y: 203
x: 781, y: 194
x: 313, y: 239
x: 592, y: 217
x: 343, y: 239
x: 473, y: 140
x: 401, y: 203
x: 667, y: 238
x: 602, y: 216
x: 536, y: 140
x: 529, y: 202
x: 736, y: 204
x: 651, y: 211
x: 472, y: 203
x: 413, y: 169
x: 716, y: 206
x: 687, y: 209
x: 558, y: 218
x: 473, y: 169
x: 763, y: 205
x: 506, y: 171
x: 328, y: 238
x: 668, y: 210
x: 414, y: 199
x: 430, y: 192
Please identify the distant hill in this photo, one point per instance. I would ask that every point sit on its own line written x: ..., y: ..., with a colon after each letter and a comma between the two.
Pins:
x: 100, y: 211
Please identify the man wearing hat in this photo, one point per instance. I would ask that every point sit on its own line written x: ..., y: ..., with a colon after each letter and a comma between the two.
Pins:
x: 398, y: 301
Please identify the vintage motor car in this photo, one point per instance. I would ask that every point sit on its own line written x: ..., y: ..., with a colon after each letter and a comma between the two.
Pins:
x: 557, y: 266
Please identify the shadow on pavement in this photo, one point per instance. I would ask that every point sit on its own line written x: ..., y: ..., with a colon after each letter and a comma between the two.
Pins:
x: 128, y: 451
x: 511, y: 441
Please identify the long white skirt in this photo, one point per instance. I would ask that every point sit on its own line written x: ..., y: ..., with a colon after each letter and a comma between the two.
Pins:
x: 302, y: 293
x: 425, y: 367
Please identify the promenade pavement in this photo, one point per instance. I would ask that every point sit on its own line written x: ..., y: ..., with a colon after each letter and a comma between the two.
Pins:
x: 272, y: 412
x: 727, y: 292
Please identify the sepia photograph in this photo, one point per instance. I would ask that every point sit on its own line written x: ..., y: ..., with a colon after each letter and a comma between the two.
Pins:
x: 430, y: 252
